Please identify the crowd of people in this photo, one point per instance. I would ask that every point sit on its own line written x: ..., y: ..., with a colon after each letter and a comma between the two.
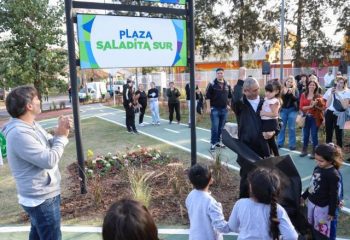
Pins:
x: 34, y: 164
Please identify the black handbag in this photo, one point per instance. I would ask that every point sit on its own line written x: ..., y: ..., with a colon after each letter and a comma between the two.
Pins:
x: 337, y: 104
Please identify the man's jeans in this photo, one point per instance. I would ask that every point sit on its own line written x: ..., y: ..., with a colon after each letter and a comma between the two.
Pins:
x: 218, y: 120
x: 45, y: 220
x: 288, y: 116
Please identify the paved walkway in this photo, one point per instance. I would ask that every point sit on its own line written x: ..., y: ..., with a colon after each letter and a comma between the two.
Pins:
x: 94, y: 233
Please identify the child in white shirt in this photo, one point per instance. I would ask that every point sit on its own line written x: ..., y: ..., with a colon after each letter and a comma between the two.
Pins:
x: 260, y: 217
x: 207, y: 221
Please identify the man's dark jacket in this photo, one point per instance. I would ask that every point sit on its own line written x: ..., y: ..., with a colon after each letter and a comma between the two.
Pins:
x: 249, y: 132
x: 249, y: 122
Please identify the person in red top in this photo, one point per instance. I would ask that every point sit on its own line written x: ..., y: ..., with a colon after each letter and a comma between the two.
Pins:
x: 312, y: 105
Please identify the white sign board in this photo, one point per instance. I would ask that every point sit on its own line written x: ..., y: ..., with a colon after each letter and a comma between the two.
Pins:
x: 114, y: 41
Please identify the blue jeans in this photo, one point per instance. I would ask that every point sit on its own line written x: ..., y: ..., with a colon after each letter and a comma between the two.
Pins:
x: 288, y: 116
x: 45, y: 220
x: 218, y: 120
x: 154, y: 106
x: 310, y: 126
x: 334, y: 223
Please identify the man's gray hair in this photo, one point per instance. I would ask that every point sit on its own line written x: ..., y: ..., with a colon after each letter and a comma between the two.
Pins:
x: 249, y: 82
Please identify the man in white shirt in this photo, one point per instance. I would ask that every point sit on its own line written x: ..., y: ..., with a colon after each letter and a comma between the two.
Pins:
x: 247, y: 104
x: 328, y: 79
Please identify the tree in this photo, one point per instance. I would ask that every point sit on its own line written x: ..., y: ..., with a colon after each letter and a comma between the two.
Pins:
x: 309, y: 18
x: 343, y: 7
x: 34, y: 47
x: 244, y: 24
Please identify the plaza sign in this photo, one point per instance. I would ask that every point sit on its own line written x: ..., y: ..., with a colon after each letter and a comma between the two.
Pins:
x: 113, y: 41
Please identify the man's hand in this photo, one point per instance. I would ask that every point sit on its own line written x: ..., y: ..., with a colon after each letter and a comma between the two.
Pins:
x: 242, y: 73
x: 64, y: 124
x: 262, y: 113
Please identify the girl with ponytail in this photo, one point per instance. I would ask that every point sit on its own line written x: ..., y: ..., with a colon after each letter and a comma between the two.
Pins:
x: 260, y: 216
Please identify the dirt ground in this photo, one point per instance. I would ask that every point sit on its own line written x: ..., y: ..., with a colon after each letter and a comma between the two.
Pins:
x: 169, y: 191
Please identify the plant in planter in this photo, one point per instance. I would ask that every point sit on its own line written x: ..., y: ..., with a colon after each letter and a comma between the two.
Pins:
x: 139, y: 185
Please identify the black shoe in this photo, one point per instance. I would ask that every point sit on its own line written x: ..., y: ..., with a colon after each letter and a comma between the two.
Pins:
x: 292, y: 148
x: 170, y: 122
x: 220, y: 145
x: 136, y: 132
x: 303, y: 154
x: 129, y: 131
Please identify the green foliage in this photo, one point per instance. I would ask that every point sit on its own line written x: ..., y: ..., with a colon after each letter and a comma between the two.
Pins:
x: 60, y: 85
x: 32, y: 53
x: 245, y: 26
x: 309, y: 17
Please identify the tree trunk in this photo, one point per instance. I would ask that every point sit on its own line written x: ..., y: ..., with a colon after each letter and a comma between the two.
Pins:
x: 38, y: 84
x: 297, y: 62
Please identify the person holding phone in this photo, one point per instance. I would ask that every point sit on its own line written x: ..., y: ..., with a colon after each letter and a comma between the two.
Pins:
x: 289, y: 112
x: 341, y: 92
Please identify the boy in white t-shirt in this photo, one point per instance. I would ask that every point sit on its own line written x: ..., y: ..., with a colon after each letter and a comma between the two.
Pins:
x: 207, y: 221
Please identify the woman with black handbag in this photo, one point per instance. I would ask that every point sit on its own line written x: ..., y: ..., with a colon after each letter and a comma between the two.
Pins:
x: 334, y: 96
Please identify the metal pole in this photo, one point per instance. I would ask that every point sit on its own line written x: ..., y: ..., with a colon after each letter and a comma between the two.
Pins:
x: 190, y: 21
x: 282, y: 40
x: 75, y: 103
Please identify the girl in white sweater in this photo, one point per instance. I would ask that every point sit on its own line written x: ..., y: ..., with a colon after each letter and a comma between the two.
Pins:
x: 260, y: 216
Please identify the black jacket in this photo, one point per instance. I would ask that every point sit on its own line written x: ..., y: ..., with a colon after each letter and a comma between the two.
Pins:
x: 188, y: 92
x: 218, y: 96
x: 142, y: 98
x: 173, y: 96
x: 128, y: 95
x: 249, y: 122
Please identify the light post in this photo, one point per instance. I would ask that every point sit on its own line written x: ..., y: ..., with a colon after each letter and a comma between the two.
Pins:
x: 282, y: 40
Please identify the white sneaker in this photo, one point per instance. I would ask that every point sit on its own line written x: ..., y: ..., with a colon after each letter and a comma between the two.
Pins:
x: 141, y: 124
x: 158, y: 123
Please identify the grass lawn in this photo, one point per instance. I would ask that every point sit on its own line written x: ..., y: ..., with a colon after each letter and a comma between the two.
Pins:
x: 99, y: 136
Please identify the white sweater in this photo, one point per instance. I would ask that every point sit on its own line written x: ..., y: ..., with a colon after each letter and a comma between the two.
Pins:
x: 207, y: 221
x: 251, y: 220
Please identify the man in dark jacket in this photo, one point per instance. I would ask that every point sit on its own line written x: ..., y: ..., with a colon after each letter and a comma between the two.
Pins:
x: 173, y: 95
x: 128, y: 102
x: 217, y: 95
x: 246, y: 103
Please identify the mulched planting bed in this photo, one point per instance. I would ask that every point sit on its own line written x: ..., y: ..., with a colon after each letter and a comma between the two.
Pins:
x: 108, y: 182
